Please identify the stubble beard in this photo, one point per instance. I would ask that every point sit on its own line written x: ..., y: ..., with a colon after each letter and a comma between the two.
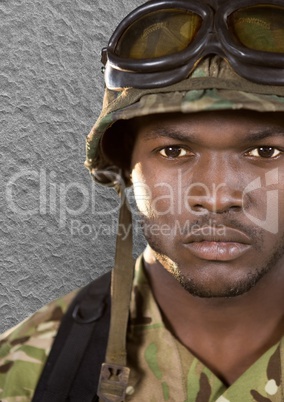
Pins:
x: 239, y: 287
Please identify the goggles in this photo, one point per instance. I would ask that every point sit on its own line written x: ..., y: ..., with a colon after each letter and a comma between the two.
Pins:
x: 161, y: 42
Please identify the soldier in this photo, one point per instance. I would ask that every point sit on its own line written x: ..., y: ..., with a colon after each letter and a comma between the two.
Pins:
x: 201, y: 317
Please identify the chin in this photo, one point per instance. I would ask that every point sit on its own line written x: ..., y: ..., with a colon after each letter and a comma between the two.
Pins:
x: 213, y: 289
x: 214, y: 280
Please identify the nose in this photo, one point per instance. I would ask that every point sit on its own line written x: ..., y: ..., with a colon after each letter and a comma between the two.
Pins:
x: 216, y: 188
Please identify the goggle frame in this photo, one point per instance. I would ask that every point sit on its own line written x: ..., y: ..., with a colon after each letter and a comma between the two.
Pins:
x: 213, y: 38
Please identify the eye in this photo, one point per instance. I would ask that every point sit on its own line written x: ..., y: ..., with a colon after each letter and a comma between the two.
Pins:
x: 264, y: 152
x: 173, y: 152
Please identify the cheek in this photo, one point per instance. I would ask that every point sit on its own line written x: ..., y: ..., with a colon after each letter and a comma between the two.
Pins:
x: 142, y: 190
x: 154, y: 193
x: 161, y: 193
x: 266, y: 205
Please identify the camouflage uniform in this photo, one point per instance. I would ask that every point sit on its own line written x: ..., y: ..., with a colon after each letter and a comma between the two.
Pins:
x: 24, y: 349
x: 162, y: 369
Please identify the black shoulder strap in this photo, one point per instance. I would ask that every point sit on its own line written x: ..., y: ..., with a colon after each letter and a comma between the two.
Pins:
x: 72, y: 370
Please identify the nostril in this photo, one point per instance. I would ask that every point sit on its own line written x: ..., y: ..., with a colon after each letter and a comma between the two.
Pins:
x: 236, y: 208
x: 198, y: 207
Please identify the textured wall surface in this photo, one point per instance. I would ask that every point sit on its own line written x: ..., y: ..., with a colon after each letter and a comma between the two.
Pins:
x: 55, y: 232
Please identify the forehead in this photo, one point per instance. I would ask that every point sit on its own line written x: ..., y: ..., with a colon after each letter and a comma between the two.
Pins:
x: 221, y: 126
x: 243, y: 118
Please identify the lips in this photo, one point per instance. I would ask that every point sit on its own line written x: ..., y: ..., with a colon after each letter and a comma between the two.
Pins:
x: 229, y: 245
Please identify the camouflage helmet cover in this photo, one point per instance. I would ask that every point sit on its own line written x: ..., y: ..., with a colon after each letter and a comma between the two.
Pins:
x: 213, y: 85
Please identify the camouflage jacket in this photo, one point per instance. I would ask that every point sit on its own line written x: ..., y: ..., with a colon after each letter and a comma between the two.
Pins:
x: 162, y: 369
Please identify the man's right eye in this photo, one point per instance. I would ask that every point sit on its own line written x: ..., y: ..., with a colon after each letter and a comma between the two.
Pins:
x: 173, y: 152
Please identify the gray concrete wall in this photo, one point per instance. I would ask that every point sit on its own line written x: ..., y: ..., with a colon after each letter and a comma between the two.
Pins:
x: 51, y: 91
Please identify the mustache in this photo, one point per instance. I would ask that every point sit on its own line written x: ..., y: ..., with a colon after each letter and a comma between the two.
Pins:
x: 227, y: 221
x: 224, y: 220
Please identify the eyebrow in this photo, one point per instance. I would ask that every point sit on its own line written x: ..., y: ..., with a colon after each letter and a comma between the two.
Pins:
x: 266, y: 133
x: 165, y: 132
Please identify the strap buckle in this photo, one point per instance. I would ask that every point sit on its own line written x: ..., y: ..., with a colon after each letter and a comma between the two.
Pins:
x: 113, y: 382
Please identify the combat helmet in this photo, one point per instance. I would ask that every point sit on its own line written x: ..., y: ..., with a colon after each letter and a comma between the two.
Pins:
x: 177, y: 56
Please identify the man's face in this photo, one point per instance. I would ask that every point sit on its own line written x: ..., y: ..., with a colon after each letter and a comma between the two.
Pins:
x: 210, y: 190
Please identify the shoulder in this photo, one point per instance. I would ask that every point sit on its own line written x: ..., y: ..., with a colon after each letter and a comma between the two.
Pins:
x: 24, y: 349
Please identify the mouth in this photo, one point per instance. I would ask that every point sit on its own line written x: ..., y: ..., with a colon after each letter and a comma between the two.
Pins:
x: 215, y: 247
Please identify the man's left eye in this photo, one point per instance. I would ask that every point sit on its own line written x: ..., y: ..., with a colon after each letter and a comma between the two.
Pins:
x: 173, y: 152
x: 264, y: 152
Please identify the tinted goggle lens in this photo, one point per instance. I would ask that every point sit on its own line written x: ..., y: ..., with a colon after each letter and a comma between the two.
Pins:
x: 158, y: 34
x: 166, y: 32
x: 259, y: 27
